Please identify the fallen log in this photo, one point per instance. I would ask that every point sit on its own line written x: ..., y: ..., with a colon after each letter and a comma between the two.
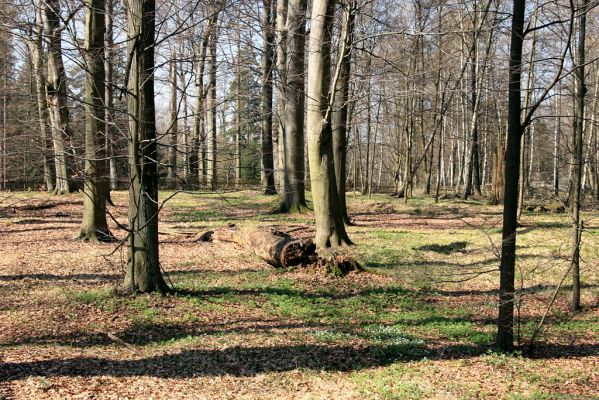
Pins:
x: 277, y: 248
x: 281, y: 250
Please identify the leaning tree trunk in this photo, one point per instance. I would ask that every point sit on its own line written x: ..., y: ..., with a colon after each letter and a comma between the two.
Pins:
x: 341, y: 106
x: 143, y: 270
x: 97, y: 182
x: 293, y: 198
x: 330, y: 229
x: 56, y: 92
x: 268, y: 173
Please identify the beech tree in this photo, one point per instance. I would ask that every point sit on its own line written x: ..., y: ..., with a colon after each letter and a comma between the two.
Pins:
x: 293, y: 197
x: 97, y: 182
x: 56, y: 91
x: 268, y: 177
x: 578, y: 155
x: 143, y: 271
x: 517, y: 122
x: 35, y: 45
x: 330, y: 228
x: 341, y: 104
x: 211, y: 154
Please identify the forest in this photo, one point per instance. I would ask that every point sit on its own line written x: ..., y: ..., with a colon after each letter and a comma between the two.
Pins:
x: 323, y: 199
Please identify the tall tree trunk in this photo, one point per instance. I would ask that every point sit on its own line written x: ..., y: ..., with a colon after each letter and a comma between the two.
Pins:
x: 238, y: 121
x: 472, y: 182
x: 109, y: 94
x: 268, y: 173
x: 172, y: 171
x: 56, y: 92
x: 556, y: 145
x: 4, y: 125
x: 198, y: 140
x: 579, y: 96
x: 592, y: 148
x: 341, y: 106
x: 143, y: 270
x: 35, y: 43
x: 281, y: 59
x: 97, y: 182
x: 368, y: 70
x: 330, y: 229
x: 524, y: 184
x: 211, y: 154
x: 505, y: 323
x: 293, y: 198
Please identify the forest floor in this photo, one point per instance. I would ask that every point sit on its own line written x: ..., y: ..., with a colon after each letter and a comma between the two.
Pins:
x: 418, y: 324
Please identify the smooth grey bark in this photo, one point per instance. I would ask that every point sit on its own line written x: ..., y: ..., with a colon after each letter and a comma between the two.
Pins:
x: 211, y: 153
x: 330, y: 229
x: 524, y: 183
x: 35, y: 45
x: 238, y: 122
x: 556, y: 145
x: 293, y: 198
x: 280, y: 84
x: 198, y: 138
x: 267, y: 173
x: 341, y: 105
x: 143, y: 269
x: 578, y: 160
x: 56, y: 92
x: 477, y: 72
x: 171, y: 176
x: 96, y: 179
x: 109, y: 93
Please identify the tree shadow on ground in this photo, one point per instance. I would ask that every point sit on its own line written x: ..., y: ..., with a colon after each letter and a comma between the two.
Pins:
x: 250, y: 361
x: 54, y: 277
x: 444, y: 248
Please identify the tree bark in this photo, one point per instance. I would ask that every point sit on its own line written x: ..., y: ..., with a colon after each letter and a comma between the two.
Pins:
x: 56, y: 92
x: 198, y: 140
x: 505, y: 323
x: 330, y: 229
x: 281, y: 58
x: 97, y: 182
x: 109, y: 94
x: 579, y: 97
x: 341, y: 106
x: 268, y: 173
x: 211, y: 154
x: 238, y: 122
x: 35, y: 43
x: 143, y: 270
x: 171, y: 176
x: 276, y: 248
x: 293, y: 197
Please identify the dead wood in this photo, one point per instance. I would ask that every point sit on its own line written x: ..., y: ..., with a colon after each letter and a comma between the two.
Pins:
x: 281, y: 250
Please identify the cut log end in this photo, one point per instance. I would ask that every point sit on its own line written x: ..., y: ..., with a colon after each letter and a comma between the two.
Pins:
x: 280, y: 250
